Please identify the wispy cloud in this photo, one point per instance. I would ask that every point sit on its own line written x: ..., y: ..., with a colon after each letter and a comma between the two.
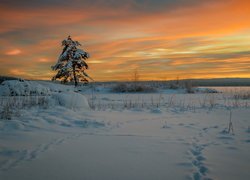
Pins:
x: 13, y: 52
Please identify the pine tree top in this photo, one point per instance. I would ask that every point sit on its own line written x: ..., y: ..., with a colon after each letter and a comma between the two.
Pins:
x: 70, y: 42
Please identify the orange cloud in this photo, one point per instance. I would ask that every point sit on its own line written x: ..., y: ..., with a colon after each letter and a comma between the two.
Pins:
x: 43, y: 60
x: 17, y: 72
x: 13, y: 52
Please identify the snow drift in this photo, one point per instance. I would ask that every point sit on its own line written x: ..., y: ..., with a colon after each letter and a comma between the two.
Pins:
x: 71, y: 100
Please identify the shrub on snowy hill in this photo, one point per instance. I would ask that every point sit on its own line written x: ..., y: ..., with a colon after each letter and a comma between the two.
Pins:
x: 16, y: 95
x: 242, y: 95
x: 23, y: 88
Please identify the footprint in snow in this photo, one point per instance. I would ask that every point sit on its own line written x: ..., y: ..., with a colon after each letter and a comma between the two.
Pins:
x: 197, y: 160
x: 15, y: 157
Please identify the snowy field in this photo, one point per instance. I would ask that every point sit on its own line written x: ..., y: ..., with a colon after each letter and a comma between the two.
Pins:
x: 56, y: 132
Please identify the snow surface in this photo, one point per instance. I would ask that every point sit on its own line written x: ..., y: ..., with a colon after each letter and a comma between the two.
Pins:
x: 149, y: 136
x: 71, y: 100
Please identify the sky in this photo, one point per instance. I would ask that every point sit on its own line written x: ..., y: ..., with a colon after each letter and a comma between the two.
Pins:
x: 158, y: 39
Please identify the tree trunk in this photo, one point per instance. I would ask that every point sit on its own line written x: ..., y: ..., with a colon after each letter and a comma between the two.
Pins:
x: 74, y: 73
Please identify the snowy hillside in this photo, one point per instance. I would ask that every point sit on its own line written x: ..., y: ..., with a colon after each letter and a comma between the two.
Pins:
x: 53, y: 131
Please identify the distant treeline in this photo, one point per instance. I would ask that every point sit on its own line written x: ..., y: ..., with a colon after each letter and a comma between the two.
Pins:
x: 214, y: 82
x: 193, y: 82
x: 221, y: 82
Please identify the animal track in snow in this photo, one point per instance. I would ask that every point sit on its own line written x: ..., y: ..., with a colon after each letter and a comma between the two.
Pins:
x: 15, y: 157
x: 197, y: 157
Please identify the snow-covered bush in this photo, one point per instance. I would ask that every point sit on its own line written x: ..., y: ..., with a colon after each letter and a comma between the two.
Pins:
x: 6, y: 112
x: 23, y: 88
x: 10, y: 106
x: 243, y: 95
x: 71, y: 100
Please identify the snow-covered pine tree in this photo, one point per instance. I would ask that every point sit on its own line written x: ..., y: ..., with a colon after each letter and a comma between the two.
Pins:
x: 71, y: 63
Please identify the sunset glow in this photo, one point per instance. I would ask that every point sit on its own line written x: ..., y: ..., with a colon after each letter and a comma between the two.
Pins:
x: 161, y: 39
